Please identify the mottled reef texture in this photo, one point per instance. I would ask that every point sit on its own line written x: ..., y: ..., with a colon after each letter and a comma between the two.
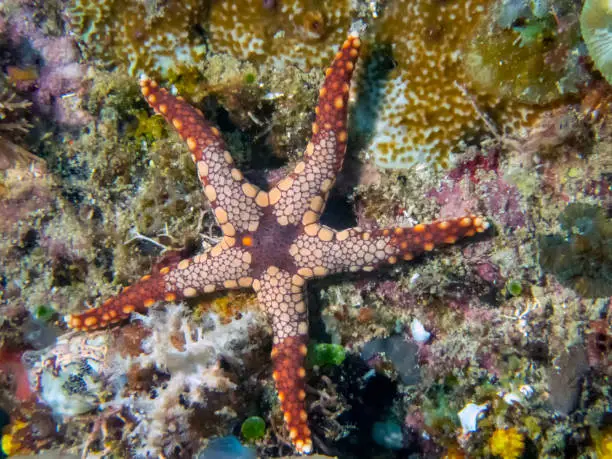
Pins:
x: 498, y: 348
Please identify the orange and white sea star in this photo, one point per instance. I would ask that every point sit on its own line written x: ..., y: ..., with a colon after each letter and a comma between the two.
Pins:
x: 272, y: 240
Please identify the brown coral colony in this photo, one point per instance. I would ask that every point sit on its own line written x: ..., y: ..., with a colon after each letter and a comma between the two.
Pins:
x: 272, y: 240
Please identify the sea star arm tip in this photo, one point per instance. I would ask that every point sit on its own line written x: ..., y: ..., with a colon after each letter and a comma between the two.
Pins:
x: 218, y: 269
x: 282, y: 296
x: 303, y: 192
x: 136, y: 298
x: 320, y: 251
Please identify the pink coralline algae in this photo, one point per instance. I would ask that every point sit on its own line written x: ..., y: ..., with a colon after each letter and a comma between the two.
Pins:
x: 59, y: 73
x: 500, y: 199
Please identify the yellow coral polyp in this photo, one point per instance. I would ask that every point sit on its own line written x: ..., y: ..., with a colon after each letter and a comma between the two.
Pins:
x: 604, y: 445
x: 10, y: 444
x: 507, y: 443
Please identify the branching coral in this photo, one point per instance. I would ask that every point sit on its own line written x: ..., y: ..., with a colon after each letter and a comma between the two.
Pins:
x: 179, y: 363
x: 191, y: 354
x: 11, y: 112
x: 13, y: 124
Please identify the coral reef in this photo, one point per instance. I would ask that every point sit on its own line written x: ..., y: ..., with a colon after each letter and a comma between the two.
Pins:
x: 495, y: 349
x: 170, y: 371
x: 461, y: 70
x: 424, y: 113
x: 534, y: 60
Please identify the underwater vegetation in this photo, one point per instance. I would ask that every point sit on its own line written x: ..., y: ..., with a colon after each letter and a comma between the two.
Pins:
x: 527, y: 56
x: 582, y: 257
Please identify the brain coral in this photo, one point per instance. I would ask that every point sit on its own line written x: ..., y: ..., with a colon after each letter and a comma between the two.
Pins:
x: 300, y: 32
x: 149, y: 39
x: 425, y: 109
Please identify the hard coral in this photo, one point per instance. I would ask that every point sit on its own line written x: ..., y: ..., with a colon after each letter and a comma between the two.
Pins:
x: 426, y: 109
x: 128, y: 33
x: 457, y: 73
x: 582, y: 258
x: 302, y: 32
x: 507, y: 443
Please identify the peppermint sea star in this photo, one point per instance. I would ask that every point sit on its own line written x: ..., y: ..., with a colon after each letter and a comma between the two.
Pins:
x: 272, y: 240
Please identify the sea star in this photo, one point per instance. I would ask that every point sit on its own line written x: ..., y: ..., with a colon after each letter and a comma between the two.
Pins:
x: 272, y: 240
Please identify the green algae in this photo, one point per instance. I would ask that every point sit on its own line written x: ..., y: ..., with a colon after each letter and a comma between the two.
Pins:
x: 253, y: 428
x: 324, y: 354
x: 514, y: 287
x: 530, y: 59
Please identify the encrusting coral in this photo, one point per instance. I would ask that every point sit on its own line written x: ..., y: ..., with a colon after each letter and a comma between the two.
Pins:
x: 458, y: 71
x: 507, y: 443
x: 302, y: 32
x: 152, y: 39
x: 424, y: 112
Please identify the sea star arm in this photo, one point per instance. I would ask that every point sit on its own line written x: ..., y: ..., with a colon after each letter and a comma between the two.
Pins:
x: 326, y: 251
x: 237, y: 204
x: 281, y: 295
x: 301, y: 196
x: 216, y: 269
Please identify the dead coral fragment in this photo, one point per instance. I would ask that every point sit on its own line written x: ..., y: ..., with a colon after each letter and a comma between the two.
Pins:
x: 582, y: 258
